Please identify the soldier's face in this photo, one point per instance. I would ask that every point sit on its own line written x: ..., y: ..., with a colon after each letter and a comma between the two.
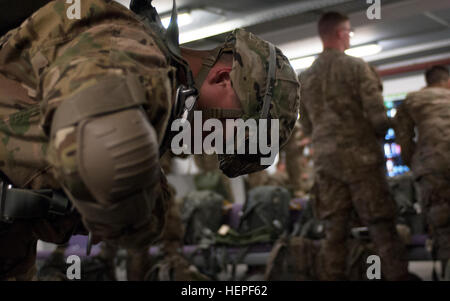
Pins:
x: 217, y: 92
x: 345, y: 33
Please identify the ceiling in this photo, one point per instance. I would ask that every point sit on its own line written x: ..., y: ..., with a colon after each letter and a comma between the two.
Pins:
x: 409, y: 30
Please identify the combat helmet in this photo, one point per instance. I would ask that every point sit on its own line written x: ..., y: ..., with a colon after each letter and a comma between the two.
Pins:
x: 266, y: 86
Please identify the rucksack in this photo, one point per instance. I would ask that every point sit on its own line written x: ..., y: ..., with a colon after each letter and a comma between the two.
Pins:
x: 202, y: 214
x: 293, y: 259
x: 266, y: 209
x: 212, y: 181
x: 307, y: 225
x: 404, y: 192
x: 173, y: 267
x: 264, y: 217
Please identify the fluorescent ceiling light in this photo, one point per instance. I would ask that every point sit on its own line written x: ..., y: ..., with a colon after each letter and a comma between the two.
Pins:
x: 366, y: 50
x: 209, y: 31
x: 303, y: 63
x: 183, y: 20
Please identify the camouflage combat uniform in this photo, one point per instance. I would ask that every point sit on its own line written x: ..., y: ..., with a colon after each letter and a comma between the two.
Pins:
x: 46, y: 60
x: 428, y: 110
x: 342, y: 108
x: 294, y: 168
x: 298, y: 165
x: 85, y: 106
x: 209, y: 169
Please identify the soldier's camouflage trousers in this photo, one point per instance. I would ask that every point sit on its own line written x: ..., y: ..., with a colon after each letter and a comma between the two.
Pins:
x: 30, y: 275
x: 18, y: 242
x: 435, y: 198
x: 369, y: 197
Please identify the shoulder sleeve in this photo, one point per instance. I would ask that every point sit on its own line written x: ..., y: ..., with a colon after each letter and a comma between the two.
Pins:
x: 109, y: 50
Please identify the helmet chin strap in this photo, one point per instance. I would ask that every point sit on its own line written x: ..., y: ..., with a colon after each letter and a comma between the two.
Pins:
x: 208, y: 62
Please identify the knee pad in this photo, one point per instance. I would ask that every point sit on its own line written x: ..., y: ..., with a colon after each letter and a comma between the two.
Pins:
x: 117, y: 163
x: 105, y: 153
x: 117, y: 155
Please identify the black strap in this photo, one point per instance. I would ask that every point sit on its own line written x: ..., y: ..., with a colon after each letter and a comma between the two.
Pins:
x: 31, y: 204
x: 170, y: 37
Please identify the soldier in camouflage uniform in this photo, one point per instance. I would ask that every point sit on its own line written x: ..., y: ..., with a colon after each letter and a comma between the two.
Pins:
x: 342, y: 108
x: 85, y: 104
x: 428, y: 110
x: 294, y: 168
x: 211, y: 178
x: 298, y: 164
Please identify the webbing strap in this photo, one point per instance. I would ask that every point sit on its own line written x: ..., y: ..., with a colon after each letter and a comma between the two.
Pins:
x: 219, y: 113
x: 207, y: 64
x: 31, y: 204
x: 112, y: 93
x: 270, y: 82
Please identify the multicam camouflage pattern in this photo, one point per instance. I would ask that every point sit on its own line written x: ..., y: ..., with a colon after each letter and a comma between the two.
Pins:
x: 428, y: 110
x: 342, y: 107
x: 249, y: 76
x: 210, y: 177
x: 51, y: 57
x: 298, y: 165
x: 48, y: 59
x: 295, y: 170
x: 336, y: 202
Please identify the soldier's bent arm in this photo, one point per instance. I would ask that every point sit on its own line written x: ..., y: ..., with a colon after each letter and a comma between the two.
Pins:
x: 305, y: 121
x: 106, y: 96
x: 404, y: 133
x: 370, y: 92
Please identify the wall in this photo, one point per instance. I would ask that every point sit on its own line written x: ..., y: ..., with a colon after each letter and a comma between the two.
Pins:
x: 403, y: 83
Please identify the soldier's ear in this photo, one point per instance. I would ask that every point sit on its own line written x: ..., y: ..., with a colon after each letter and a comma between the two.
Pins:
x: 339, y: 34
x: 221, y: 76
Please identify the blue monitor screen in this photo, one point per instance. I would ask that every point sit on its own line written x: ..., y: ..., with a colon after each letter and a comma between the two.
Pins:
x: 392, y: 151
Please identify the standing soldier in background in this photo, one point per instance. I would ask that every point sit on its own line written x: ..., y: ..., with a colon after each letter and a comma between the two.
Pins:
x: 342, y: 108
x: 87, y: 106
x: 297, y: 164
x: 428, y: 111
x: 294, y: 168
